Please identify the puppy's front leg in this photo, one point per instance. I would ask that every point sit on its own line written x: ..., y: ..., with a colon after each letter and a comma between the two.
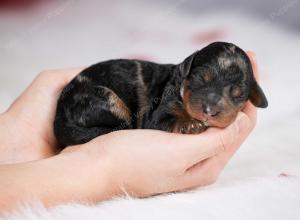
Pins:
x: 170, y: 123
x: 170, y: 117
x: 182, y: 122
x: 189, y: 127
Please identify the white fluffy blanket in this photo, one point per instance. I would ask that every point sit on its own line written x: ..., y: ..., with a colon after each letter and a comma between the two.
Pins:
x: 263, y: 179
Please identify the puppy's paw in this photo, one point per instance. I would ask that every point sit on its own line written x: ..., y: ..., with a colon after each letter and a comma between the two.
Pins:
x: 191, y: 127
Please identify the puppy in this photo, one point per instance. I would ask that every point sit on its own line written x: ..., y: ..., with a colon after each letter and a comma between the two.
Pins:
x: 207, y: 89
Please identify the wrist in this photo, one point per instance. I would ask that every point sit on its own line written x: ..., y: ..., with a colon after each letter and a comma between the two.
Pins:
x: 89, y: 169
x: 84, y: 177
x: 60, y: 179
x: 100, y: 183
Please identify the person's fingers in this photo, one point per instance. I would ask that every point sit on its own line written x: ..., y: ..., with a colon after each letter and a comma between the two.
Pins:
x: 252, y: 57
x: 66, y: 75
x: 251, y: 111
x: 51, y: 81
x: 195, y: 148
x: 188, y: 150
x: 198, y: 173
x: 56, y: 78
x: 205, y: 172
x: 70, y: 149
x: 48, y: 83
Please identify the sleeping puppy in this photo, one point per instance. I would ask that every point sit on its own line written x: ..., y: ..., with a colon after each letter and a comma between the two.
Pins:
x: 207, y: 89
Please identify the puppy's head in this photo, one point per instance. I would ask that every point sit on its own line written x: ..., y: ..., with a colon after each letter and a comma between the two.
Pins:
x: 217, y: 82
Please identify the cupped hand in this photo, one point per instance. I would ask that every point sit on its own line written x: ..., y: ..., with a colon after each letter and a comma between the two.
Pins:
x: 27, y: 126
x: 147, y: 162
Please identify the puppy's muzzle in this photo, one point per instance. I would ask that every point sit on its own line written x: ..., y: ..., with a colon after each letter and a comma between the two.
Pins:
x: 210, y: 105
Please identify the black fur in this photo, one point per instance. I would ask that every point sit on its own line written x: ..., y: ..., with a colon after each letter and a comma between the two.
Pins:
x: 129, y: 94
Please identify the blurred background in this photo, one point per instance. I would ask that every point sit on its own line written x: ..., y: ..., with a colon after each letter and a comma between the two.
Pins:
x: 38, y: 35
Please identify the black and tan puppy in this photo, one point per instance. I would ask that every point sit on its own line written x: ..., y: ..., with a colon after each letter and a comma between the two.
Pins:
x: 207, y: 89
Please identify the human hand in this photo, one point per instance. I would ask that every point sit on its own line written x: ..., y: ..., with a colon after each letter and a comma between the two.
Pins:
x: 27, y: 126
x: 148, y: 162
x: 135, y: 162
x: 121, y: 162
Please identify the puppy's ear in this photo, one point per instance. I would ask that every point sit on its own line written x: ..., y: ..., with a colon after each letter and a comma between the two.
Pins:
x: 186, y: 65
x: 257, y: 96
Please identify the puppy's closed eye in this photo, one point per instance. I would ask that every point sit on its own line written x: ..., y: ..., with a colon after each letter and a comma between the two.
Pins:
x: 235, y: 91
x: 207, y: 77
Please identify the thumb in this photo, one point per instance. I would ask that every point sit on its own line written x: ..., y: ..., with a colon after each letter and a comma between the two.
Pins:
x: 234, y: 132
x: 214, y: 140
x: 228, y: 139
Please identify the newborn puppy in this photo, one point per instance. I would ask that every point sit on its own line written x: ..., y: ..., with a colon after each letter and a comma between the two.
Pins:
x: 207, y: 89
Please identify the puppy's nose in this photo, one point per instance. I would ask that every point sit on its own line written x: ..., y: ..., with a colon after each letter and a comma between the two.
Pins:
x: 208, y: 110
